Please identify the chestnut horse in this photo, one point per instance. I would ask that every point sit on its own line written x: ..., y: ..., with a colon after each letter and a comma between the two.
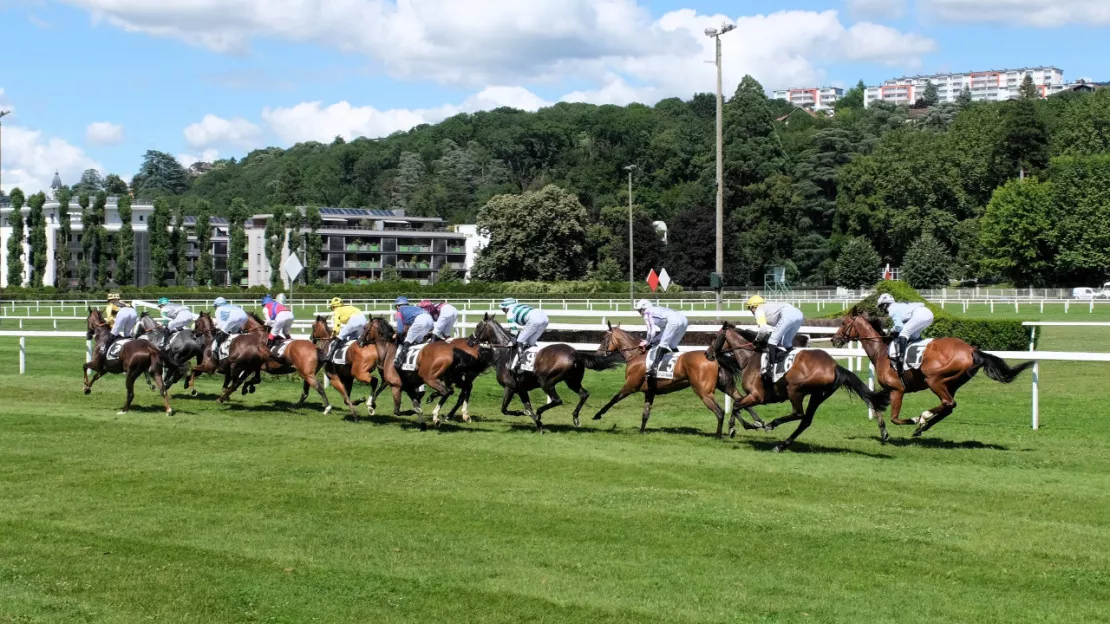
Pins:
x: 554, y: 364
x: 814, y: 374
x: 245, y: 358
x: 693, y: 370
x: 135, y: 358
x: 361, y: 362
x: 301, y: 357
x: 947, y: 364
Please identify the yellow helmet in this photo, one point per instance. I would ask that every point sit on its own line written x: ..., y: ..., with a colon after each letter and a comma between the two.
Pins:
x: 335, y: 302
x: 754, y: 301
x: 113, y: 297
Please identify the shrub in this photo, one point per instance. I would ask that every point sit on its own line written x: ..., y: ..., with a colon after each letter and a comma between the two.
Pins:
x: 858, y: 264
x: 926, y: 264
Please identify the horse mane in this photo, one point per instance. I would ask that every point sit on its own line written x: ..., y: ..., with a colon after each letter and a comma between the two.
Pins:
x: 387, y: 330
x: 256, y: 318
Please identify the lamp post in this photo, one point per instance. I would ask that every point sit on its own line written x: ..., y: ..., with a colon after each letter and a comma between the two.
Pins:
x: 631, y: 256
x: 2, y: 113
x: 716, y: 35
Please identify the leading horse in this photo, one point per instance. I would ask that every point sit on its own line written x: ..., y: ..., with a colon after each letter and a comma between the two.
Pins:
x: 135, y: 358
x: 947, y: 364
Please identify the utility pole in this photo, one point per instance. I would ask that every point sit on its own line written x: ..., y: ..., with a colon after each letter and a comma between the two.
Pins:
x: 631, y: 255
x: 720, y: 268
x: 2, y: 114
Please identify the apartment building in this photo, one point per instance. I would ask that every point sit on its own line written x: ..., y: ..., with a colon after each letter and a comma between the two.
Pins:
x: 994, y: 85
x: 812, y: 98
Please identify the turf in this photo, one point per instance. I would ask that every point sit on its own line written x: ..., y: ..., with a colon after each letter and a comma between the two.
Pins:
x: 262, y: 512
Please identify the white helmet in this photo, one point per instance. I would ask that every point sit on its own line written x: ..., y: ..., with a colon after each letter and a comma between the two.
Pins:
x: 642, y: 305
x: 885, y: 299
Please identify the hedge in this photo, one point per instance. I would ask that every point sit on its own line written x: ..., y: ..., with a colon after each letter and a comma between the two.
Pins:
x: 987, y: 334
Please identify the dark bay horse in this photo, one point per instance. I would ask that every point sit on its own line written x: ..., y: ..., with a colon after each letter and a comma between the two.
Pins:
x: 693, y: 370
x: 814, y: 374
x: 245, y: 357
x: 554, y: 364
x: 947, y: 364
x: 361, y: 363
x: 135, y: 358
x: 183, y: 347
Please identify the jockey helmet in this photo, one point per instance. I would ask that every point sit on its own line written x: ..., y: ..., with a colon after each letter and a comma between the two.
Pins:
x: 219, y: 302
x: 507, y: 303
x: 885, y: 299
x: 427, y: 305
x: 280, y: 298
x: 113, y: 297
x: 267, y: 299
x: 402, y: 300
x: 335, y: 302
x: 755, y: 301
x: 163, y: 301
x: 642, y: 305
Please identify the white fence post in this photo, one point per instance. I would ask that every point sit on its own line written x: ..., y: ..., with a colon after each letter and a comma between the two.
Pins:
x: 22, y: 354
x: 871, y: 387
x: 88, y: 351
x: 1036, y: 380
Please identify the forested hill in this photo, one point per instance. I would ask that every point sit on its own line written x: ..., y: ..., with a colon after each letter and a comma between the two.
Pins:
x: 797, y: 186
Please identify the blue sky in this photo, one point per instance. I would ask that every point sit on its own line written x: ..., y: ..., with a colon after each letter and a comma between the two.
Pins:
x: 95, y: 83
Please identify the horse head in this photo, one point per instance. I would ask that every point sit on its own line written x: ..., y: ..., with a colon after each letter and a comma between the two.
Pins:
x: 378, y: 330
x: 94, y: 323
x: 254, y: 323
x: 857, y: 325
x: 320, y: 329
x: 616, y: 340
x: 203, y: 324
x: 490, y: 331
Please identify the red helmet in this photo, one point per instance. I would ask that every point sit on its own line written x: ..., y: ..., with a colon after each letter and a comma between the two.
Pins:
x: 427, y: 305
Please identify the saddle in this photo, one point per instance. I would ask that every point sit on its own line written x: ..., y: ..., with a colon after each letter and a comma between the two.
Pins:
x: 784, y: 364
x: 116, y: 348
x: 666, y: 365
x: 915, y: 354
x: 225, y: 347
x: 413, y: 354
x: 278, y: 350
x: 527, y: 360
x: 340, y: 355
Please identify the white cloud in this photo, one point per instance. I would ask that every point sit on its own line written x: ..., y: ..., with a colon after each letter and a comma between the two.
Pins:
x: 30, y: 160
x: 877, y: 9
x: 213, y: 130
x: 104, y: 133
x: 1034, y: 13
x: 208, y: 156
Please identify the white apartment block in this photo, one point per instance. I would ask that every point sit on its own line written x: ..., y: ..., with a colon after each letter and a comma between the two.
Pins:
x: 812, y: 98
x: 994, y: 85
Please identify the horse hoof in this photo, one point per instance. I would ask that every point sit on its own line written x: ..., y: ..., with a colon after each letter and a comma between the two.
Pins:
x: 577, y: 423
x: 884, y: 437
x: 121, y: 413
x: 252, y: 390
x: 244, y: 391
x: 88, y: 390
x: 732, y: 432
x: 916, y: 434
x: 423, y: 427
x: 598, y: 417
x: 169, y: 412
x: 327, y: 410
x: 778, y: 448
x: 466, y: 418
x: 194, y: 392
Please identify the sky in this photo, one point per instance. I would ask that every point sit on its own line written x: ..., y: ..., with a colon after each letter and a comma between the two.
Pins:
x: 96, y: 83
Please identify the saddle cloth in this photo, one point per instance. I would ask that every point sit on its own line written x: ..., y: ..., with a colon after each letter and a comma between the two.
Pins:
x: 340, y: 356
x: 782, y: 366
x: 279, y: 350
x: 117, y: 346
x: 527, y: 360
x: 666, y: 366
x: 410, y: 358
x: 225, y: 347
x: 915, y: 353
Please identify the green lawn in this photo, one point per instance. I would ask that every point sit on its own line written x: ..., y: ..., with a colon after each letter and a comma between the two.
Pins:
x: 260, y: 512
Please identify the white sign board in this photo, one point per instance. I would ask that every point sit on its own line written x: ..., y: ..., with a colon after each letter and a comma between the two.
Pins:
x: 292, y: 267
x: 664, y: 279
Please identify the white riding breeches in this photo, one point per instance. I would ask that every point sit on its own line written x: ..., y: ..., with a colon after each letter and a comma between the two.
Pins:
x: 783, y: 333
x: 533, y: 329
x: 445, y: 324
x: 181, y: 321
x: 125, y: 322
x: 233, y: 324
x: 919, y: 321
x: 421, y: 326
x: 353, y: 329
x: 672, y: 333
x: 283, y: 322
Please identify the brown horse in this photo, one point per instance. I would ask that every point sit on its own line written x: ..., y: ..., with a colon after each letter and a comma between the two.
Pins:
x: 554, y: 364
x: 947, y: 364
x: 814, y: 374
x: 135, y: 358
x: 245, y: 358
x: 301, y: 357
x: 439, y: 366
x: 693, y: 370
x: 361, y: 362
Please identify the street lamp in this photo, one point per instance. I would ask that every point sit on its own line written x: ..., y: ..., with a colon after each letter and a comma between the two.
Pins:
x: 716, y: 35
x: 2, y: 113
x: 631, y: 279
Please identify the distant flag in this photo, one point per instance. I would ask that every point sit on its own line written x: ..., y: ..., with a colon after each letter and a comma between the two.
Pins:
x: 887, y: 275
x: 653, y: 280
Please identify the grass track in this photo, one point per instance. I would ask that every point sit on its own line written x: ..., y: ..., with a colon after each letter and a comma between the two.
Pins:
x: 252, y: 513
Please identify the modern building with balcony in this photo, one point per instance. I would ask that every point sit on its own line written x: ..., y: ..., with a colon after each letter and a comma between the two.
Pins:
x: 993, y: 85
x: 811, y: 98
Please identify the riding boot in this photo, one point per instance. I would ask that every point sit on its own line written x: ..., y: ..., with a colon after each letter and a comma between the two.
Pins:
x: 901, y: 343
x: 660, y: 353
x: 107, y: 344
x: 772, y: 360
x: 402, y: 353
x: 515, y: 354
x: 330, y: 350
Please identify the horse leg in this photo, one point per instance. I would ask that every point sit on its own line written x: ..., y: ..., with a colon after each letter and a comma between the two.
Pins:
x: 940, y: 387
x: 311, y: 381
x: 338, y: 384
x: 815, y: 401
x: 797, y: 413
x: 507, y: 398
x: 710, y: 401
x: 89, y: 384
x: 165, y: 390
x: 149, y: 380
x: 574, y: 382
x: 896, y: 409
x: 883, y: 435
x: 132, y: 375
x: 737, y: 397
x: 649, y: 398
x: 553, y: 399
x: 464, y: 400
x: 234, y: 378
x: 619, y: 396
x: 527, y: 401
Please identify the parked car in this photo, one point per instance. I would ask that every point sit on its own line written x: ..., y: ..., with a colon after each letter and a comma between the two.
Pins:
x: 1104, y: 293
x: 1083, y: 293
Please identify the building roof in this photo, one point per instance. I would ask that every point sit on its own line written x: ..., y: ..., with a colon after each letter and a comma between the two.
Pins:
x: 57, y: 183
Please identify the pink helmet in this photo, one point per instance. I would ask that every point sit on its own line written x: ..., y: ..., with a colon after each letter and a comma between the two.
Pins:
x: 427, y: 305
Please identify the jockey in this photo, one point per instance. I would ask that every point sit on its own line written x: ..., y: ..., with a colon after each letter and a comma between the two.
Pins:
x: 910, y: 319
x: 229, y: 320
x: 278, y: 317
x: 527, y: 324
x: 419, y: 324
x: 673, y: 325
x: 445, y: 315
x: 348, y: 323
x: 121, y: 317
x: 778, y: 323
x: 176, y: 316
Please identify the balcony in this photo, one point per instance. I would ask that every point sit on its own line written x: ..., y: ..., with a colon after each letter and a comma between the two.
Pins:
x: 364, y: 247
x: 414, y: 266
x: 414, y: 249
x: 456, y: 250
x: 363, y: 265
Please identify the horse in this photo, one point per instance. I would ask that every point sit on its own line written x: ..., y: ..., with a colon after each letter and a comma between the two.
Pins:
x: 184, y: 346
x: 814, y: 374
x: 299, y: 356
x: 554, y: 364
x: 439, y: 365
x: 361, y: 362
x: 947, y: 364
x: 246, y: 356
x: 692, y: 370
x: 135, y: 358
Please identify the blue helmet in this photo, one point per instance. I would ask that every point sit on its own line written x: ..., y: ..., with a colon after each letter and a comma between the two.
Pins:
x: 267, y: 299
x: 219, y: 302
x: 508, y: 302
x: 401, y: 301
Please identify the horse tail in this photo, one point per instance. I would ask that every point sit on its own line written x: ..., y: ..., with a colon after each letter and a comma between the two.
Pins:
x: 996, y: 368
x: 593, y: 361
x: 463, y: 361
x: 876, y: 400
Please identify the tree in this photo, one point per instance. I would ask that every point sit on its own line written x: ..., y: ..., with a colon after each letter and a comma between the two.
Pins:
x: 931, y: 96
x: 15, y: 240
x: 179, y: 247
x: 1023, y: 140
x: 289, y: 184
x: 446, y: 275
x: 691, y: 248
x: 753, y: 151
x: 648, y: 246
x: 968, y: 250
x: 927, y: 264
x: 409, y: 177
x: 607, y: 270
x: 314, y: 243
x: 854, y: 99
x: 390, y: 274
x: 203, y: 271
x: 159, y: 228
x: 1018, y: 234
x: 114, y: 185
x: 91, y: 182
x: 61, y: 241
x: 294, y: 222
x: 538, y: 235
x: 36, y: 220
x: 858, y: 264
x: 1028, y: 89
x: 275, y: 243
x: 125, y: 250
x: 237, y: 245
x: 1081, y: 186
x: 103, y: 252
x: 88, y: 227
x: 964, y: 98
x: 160, y: 174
